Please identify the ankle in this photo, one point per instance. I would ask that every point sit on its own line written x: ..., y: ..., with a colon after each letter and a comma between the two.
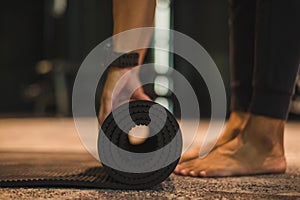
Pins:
x: 238, y: 119
x: 239, y: 114
x: 266, y: 133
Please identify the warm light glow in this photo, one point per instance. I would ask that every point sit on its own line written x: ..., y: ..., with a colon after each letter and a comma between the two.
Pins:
x: 165, y: 102
x: 162, y: 82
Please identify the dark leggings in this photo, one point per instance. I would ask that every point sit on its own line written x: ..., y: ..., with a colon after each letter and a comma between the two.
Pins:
x: 265, y: 55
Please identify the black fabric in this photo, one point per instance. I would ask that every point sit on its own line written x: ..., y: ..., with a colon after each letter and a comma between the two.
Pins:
x: 28, y: 169
x: 126, y: 60
x: 265, y: 55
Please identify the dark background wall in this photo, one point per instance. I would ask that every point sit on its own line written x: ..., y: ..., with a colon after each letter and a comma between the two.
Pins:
x: 21, y: 47
x: 30, y: 33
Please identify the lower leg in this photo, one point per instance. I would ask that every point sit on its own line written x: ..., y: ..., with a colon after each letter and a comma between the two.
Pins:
x: 241, y: 35
x: 258, y: 148
x: 241, y: 39
x: 127, y: 14
x: 277, y: 57
x: 132, y: 14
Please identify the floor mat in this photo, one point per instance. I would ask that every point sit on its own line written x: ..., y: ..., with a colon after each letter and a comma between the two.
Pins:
x: 32, y: 169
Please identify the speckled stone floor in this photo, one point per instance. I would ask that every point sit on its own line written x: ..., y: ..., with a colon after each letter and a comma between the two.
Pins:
x: 59, y: 135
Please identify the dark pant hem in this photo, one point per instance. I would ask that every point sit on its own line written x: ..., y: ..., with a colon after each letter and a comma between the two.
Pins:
x: 270, y: 103
x: 240, y: 98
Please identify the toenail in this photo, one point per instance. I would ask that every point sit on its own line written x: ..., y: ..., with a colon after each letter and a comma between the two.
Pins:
x: 192, y: 173
x: 202, y: 173
x: 183, y: 172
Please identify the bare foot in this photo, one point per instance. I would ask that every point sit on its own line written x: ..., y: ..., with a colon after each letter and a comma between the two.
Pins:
x: 234, y: 125
x: 258, y: 149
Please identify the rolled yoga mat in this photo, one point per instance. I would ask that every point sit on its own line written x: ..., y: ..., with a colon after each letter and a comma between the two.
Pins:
x: 124, y: 165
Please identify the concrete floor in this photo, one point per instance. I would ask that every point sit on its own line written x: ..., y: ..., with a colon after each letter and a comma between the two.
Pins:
x: 59, y: 135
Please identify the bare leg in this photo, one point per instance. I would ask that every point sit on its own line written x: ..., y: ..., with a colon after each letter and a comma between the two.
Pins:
x: 127, y: 14
x: 130, y: 14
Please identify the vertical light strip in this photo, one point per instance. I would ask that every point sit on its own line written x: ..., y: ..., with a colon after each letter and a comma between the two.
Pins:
x: 162, y: 58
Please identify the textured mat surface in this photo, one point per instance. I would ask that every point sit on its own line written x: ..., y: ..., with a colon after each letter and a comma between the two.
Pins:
x: 27, y: 169
x: 81, y: 170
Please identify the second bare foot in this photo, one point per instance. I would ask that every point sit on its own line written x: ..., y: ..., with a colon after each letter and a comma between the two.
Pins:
x: 258, y: 149
x: 235, y: 124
